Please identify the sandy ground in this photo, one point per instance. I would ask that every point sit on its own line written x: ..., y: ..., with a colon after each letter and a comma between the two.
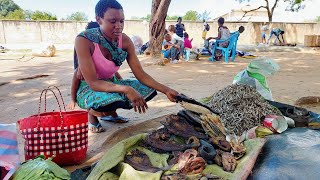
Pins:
x: 299, y: 76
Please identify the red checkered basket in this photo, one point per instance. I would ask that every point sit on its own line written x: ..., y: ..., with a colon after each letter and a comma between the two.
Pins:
x: 61, y: 134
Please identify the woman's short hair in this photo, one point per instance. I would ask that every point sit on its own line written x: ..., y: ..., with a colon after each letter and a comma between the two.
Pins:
x: 179, y: 18
x: 221, y: 20
x: 103, y: 5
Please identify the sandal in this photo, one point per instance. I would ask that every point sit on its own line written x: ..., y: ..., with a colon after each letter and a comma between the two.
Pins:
x: 118, y: 119
x: 96, y: 128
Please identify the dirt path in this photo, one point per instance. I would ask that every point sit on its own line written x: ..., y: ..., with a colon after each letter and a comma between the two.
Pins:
x: 298, y: 77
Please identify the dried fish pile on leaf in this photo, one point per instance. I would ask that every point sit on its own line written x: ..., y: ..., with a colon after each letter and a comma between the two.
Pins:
x: 240, y: 107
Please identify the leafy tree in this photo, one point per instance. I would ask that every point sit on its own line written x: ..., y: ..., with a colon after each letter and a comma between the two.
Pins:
x: 77, y: 16
x: 204, y: 16
x: 28, y: 14
x: 191, y: 15
x: 318, y: 19
x: 39, y: 15
x: 174, y: 17
x: 270, y: 5
x: 7, y: 6
x: 148, y: 17
x: 16, y: 15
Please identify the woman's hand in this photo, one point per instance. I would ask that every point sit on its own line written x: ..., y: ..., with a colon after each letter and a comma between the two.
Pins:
x: 79, y: 74
x: 138, y: 102
x: 72, y: 105
x: 171, y: 94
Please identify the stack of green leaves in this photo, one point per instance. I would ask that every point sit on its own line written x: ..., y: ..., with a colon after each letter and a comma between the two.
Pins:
x: 40, y: 168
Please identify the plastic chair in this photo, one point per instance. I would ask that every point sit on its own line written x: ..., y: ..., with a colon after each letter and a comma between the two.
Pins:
x: 231, y: 48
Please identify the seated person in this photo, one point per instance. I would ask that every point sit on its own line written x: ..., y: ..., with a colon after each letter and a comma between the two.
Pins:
x: 169, y: 49
x: 223, y: 34
x: 277, y: 32
x: 176, y: 39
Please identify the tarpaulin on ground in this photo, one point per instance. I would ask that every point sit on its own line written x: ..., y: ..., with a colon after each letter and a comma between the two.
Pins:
x: 291, y: 155
x: 9, y: 155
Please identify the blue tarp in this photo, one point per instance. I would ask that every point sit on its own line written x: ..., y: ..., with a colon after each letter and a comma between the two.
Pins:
x: 295, y: 154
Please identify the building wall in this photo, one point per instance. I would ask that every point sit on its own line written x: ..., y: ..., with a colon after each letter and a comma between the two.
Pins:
x: 64, y: 32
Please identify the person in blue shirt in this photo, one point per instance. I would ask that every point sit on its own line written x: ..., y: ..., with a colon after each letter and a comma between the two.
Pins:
x: 180, y: 27
x: 276, y: 32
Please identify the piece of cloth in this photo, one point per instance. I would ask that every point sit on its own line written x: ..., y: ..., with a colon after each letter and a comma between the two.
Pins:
x: 293, y: 154
x: 95, y: 35
x: 113, y: 160
x: 100, y: 63
x: 179, y: 30
x: 9, y: 155
x: 109, y: 101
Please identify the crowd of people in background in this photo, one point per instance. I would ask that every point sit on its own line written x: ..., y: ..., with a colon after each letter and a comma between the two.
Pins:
x: 177, y: 44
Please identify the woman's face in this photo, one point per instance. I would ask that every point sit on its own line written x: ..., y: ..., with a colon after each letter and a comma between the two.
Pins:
x: 112, y: 23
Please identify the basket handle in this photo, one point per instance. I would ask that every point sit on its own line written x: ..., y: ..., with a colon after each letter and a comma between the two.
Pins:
x: 45, y: 91
x: 45, y: 98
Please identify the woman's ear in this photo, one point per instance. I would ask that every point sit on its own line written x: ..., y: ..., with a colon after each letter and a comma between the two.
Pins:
x: 99, y: 20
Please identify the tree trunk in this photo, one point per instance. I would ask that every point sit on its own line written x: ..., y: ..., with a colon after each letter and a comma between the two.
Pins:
x: 269, y: 16
x: 157, y: 26
x: 270, y: 13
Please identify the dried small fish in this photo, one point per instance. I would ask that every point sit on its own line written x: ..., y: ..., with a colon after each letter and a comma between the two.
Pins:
x: 240, y: 107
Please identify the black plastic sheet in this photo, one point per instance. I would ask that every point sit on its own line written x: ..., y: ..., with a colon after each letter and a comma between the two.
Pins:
x: 295, y: 154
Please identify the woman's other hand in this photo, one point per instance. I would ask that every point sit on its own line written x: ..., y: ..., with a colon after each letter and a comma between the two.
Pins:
x: 79, y: 74
x: 71, y: 105
x: 138, y: 102
x: 171, y: 94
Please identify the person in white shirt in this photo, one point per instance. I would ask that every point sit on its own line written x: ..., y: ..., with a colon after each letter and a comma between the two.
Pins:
x: 223, y: 34
x: 177, y: 40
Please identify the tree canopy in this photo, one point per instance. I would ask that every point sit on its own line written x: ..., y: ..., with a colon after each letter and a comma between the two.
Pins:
x: 190, y: 16
x: 40, y: 15
x: 77, y: 16
x: 10, y: 10
x: 270, y: 5
x: 7, y: 6
x: 17, y: 14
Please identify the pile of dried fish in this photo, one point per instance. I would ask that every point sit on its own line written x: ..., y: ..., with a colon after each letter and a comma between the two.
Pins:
x: 240, y: 108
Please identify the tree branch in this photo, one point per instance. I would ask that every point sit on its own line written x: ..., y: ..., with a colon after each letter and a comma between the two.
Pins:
x: 274, y: 6
x: 246, y: 12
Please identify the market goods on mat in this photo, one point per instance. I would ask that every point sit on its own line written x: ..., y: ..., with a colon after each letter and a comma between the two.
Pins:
x: 241, y: 108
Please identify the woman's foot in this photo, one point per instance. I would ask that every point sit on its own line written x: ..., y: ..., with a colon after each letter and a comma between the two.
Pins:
x: 94, y: 124
x: 108, y: 116
x: 118, y: 119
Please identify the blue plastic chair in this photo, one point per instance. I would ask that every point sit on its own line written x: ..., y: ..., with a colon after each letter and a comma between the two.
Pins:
x: 231, y: 48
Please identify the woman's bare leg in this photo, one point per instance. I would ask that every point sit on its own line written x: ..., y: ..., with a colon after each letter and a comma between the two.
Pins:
x: 93, y: 119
